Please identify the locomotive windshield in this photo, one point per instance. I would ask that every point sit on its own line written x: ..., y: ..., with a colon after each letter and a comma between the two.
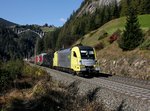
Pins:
x: 87, y: 54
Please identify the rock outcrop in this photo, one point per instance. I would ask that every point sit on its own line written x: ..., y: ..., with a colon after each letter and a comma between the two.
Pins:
x: 91, y: 5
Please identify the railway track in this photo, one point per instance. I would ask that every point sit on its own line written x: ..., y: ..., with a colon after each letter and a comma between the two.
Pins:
x: 130, y: 90
x: 130, y: 81
x: 134, y: 91
x: 139, y: 91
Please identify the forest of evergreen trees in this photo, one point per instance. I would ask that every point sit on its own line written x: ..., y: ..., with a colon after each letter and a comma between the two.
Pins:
x: 76, y: 27
x: 9, y: 47
x: 13, y: 46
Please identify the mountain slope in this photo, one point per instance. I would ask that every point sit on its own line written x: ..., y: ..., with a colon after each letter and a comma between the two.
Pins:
x: 112, y: 59
x: 6, y: 23
x: 112, y: 26
x: 48, y: 29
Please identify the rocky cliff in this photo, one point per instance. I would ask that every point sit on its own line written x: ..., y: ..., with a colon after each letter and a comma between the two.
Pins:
x: 91, y: 5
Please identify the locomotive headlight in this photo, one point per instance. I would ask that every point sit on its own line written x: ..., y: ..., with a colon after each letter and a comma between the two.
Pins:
x: 97, y: 68
x: 80, y: 62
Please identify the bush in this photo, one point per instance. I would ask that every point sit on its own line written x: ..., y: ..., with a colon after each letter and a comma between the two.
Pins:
x: 105, y: 34
x: 145, y: 45
x: 148, y: 33
x: 114, y: 36
x: 14, y: 68
x: 99, y: 46
x: 9, y: 71
x: 4, y: 80
x: 34, y: 72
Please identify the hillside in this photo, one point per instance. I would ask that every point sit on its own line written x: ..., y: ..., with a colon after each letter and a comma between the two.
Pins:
x: 13, y: 45
x: 93, y: 14
x: 112, y: 59
x: 48, y: 29
x: 110, y: 27
x: 6, y: 23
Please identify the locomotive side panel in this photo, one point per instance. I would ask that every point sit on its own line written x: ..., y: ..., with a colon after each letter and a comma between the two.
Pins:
x: 64, y: 58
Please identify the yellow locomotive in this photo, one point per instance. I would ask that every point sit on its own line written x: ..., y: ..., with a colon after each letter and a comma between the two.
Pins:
x: 78, y: 59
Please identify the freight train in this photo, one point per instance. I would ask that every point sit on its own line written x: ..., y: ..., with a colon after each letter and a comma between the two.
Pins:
x: 78, y: 60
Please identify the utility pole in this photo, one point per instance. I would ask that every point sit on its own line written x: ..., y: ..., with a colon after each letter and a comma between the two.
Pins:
x: 35, y: 55
x: 35, y: 51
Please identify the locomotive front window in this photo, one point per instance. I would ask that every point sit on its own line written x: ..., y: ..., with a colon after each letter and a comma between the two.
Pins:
x: 87, y: 54
x: 74, y: 54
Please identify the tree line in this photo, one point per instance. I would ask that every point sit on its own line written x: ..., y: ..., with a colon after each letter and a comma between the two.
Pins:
x: 77, y: 26
x: 13, y: 46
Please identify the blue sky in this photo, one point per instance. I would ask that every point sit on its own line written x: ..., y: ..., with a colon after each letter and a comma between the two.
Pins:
x: 53, y: 12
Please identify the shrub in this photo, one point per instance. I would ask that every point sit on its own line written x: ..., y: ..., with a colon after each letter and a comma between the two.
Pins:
x: 14, y: 68
x: 34, y: 72
x: 105, y: 34
x: 4, y: 80
x: 9, y: 71
x: 99, y: 46
x: 0, y: 63
x: 145, y: 45
x: 148, y: 33
x: 114, y: 36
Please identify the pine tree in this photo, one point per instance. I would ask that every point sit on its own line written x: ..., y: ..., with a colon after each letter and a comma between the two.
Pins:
x: 116, y: 11
x: 124, y: 7
x: 146, y: 6
x: 132, y: 35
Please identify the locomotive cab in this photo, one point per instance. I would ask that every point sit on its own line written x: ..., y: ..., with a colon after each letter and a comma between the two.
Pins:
x: 83, y: 59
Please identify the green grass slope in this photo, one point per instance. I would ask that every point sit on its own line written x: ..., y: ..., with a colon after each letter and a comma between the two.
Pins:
x: 47, y: 29
x: 110, y: 27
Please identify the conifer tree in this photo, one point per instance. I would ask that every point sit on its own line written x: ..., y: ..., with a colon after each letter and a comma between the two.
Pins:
x: 124, y: 7
x: 116, y: 11
x: 132, y: 35
x: 146, y: 6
